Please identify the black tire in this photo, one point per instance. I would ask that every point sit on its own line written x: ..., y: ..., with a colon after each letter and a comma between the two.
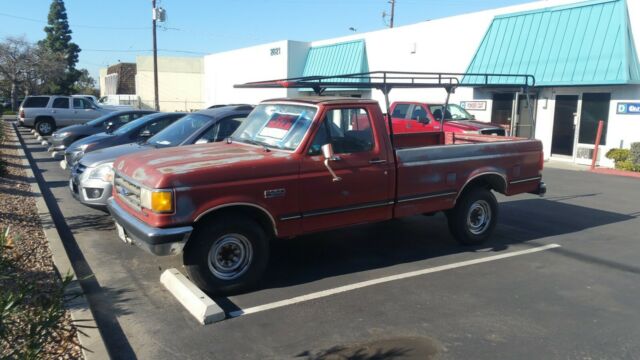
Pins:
x: 473, y: 219
x: 227, y: 236
x: 45, y: 126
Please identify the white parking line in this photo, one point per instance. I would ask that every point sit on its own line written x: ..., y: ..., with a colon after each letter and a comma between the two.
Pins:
x: 345, y: 288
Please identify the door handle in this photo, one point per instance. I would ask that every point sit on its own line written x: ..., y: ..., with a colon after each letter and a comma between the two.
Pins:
x: 377, y: 161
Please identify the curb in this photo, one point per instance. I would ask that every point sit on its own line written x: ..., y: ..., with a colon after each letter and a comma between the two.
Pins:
x: 90, y: 338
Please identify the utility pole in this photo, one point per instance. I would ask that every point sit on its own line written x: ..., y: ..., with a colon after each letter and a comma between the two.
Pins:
x: 155, y: 57
x: 393, y: 7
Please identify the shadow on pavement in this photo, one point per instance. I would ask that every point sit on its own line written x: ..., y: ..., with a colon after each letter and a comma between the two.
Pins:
x: 361, y: 248
x: 104, y: 311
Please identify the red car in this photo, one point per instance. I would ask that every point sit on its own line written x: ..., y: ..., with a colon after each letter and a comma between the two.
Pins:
x: 298, y: 166
x: 413, y: 117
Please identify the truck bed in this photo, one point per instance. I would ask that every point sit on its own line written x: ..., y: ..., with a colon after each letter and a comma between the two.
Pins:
x: 434, y: 168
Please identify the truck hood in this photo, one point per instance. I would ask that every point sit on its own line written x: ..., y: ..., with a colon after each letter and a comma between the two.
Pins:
x: 106, y: 155
x: 193, y: 165
x: 470, y: 124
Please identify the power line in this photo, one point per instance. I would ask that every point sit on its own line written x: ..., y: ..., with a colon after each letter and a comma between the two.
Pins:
x: 75, y: 25
x: 146, y: 50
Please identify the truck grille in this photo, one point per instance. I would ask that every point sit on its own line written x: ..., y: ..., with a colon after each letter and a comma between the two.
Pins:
x: 496, y: 131
x: 127, y: 191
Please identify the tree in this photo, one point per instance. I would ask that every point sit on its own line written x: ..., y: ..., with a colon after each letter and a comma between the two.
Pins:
x: 16, y: 58
x: 85, y: 84
x: 58, y: 40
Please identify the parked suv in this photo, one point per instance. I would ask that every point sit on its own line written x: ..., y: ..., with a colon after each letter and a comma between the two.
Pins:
x: 46, y: 113
x: 62, y: 138
x: 92, y: 176
x: 135, y: 131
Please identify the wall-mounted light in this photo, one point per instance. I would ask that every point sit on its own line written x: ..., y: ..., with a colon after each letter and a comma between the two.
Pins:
x: 413, y: 48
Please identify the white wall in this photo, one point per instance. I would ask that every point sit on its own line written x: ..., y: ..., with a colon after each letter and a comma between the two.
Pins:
x: 223, y: 70
x: 180, y: 83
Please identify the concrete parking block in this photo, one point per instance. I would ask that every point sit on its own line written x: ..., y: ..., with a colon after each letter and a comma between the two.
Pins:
x: 200, y: 305
x: 57, y: 154
x: 45, y: 143
x: 39, y: 138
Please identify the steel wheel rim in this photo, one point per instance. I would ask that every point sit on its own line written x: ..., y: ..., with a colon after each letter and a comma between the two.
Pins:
x: 44, y: 127
x: 479, y: 217
x: 230, y: 256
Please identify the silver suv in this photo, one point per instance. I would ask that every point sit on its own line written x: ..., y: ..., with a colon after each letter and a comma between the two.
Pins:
x: 46, y: 113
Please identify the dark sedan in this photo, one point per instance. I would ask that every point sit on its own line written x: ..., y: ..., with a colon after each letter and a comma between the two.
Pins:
x: 91, y: 177
x: 64, y: 137
x: 139, y: 130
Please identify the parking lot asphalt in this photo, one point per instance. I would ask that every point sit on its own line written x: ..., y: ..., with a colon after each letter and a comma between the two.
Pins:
x: 576, y: 301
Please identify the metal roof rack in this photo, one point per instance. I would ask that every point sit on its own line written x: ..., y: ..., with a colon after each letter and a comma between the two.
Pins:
x: 385, y: 81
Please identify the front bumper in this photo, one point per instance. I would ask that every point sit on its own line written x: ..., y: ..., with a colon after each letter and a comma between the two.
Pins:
x: 91, y: 192
x: 157, y: 241
x: 58, y: 144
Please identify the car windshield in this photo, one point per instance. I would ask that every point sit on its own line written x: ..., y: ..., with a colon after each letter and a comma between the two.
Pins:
x: 133, y: 124
x: 101, y: 119
x: 454, y: 112
x: 280, y: 126
x: 180, y: 130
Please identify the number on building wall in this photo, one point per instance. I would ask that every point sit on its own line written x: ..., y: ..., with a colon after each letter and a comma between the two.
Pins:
x: 275, y: 51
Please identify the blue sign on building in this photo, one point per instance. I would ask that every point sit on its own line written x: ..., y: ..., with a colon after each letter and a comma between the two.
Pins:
x: 628, y: 108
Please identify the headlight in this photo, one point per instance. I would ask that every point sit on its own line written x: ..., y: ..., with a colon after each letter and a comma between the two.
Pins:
x: 160, y: 201
x: 103, y: 172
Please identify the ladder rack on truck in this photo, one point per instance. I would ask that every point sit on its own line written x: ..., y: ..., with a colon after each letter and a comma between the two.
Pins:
x: 385, y: 81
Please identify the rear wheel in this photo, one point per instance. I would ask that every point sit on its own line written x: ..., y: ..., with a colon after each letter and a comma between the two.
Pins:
x: 45, y: 127
x: 474, y: 217
x: 227, y: 255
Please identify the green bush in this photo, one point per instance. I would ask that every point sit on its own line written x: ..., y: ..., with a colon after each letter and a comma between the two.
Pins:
x: 634, y: 153
x: 9, y: 112
x: 618, y: 154
x: 627, y: 165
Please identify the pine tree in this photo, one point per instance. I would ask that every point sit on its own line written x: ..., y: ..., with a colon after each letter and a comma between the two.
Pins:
x: 58, y: 40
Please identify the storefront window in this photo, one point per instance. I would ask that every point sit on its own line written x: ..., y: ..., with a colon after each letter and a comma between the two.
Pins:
x: 595, y: 107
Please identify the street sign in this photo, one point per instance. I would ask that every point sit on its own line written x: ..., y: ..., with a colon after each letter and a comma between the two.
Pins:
x: 628, y: 108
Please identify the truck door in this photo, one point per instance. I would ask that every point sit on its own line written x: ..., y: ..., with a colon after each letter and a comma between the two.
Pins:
x: 363, y: 192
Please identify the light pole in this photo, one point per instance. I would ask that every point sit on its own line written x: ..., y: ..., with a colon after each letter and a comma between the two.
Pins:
x: 155, y: 57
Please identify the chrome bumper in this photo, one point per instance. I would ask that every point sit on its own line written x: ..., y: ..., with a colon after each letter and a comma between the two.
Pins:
x: 157, y: 241
x: 83, y: 191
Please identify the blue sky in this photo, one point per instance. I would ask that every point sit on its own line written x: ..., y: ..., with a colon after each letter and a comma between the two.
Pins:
x: 118, y: 30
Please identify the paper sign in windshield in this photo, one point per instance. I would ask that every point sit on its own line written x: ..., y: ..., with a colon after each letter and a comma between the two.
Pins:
x: 278, y: 126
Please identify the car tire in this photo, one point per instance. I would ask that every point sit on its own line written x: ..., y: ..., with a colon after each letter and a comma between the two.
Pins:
x: 45, y: 127
x: 227, y: 255
x: 473, y: 219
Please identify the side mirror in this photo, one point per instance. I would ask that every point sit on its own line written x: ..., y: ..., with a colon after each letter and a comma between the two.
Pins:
x: 327, y: 151
x: 423, y: 119
x: 109, y: 125
x: 473, y: 117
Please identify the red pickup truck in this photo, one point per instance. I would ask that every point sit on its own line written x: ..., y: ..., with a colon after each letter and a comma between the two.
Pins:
x: 298, y: 166
x: 412, y: 117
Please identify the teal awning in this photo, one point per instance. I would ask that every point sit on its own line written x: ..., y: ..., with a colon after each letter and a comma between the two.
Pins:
x: 587, y: 43
x: 337, y: 59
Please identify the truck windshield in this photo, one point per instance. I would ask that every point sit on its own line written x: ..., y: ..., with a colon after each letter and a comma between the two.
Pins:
x: 278, y: 126
x: 454, y: 112
x: 179, y: 131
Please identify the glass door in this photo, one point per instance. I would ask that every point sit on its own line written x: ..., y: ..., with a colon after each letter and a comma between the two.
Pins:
x: 524, y: 119
x: 564, y: 125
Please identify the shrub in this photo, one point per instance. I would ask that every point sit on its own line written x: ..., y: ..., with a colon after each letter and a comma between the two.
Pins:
x: 618, y: 154
x: 627, y: 165
x: 634, y: 153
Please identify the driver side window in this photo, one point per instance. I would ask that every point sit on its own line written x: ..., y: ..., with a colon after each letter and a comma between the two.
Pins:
x: 348, y: 130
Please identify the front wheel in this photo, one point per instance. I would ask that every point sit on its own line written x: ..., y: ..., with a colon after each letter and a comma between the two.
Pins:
x: 473, y: 219
x: 45, y: 127
x: 227, y: 255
